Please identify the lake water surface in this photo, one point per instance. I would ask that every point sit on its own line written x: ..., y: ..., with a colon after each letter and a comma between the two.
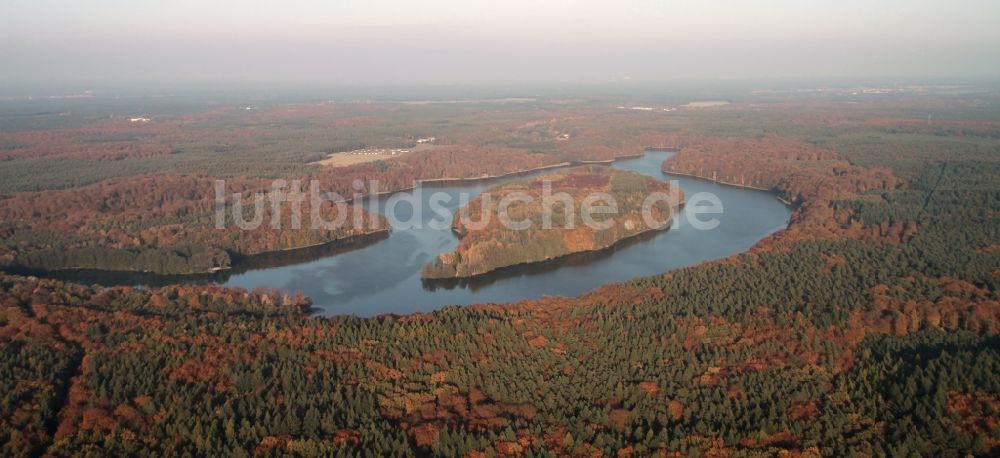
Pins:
x: 384, y: 276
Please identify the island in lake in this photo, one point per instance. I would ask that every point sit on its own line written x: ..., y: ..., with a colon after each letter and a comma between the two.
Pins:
x: 545, y: 219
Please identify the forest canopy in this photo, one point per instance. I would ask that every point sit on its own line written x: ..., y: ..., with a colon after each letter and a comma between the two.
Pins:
x: 869, y: 327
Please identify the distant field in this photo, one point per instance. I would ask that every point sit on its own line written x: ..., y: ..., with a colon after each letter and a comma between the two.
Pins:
x: 361, y: 156
x: 706, y: 104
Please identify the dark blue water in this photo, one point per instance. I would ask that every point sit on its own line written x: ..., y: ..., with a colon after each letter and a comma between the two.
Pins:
x: 384, y: 277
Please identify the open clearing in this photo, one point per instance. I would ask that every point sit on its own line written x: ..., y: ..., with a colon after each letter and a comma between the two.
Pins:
x: 369, y: 155
x: 706, y: 104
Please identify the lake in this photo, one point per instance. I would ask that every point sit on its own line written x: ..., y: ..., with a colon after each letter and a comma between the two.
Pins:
x: 383, y: 276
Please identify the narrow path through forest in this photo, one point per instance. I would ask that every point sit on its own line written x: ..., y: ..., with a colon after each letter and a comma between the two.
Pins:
x: 927, y: 200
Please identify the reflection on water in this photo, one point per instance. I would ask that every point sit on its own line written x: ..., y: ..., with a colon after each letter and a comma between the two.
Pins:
x: 522, y: 270
x: 241, y: 264
x: 382, y: 275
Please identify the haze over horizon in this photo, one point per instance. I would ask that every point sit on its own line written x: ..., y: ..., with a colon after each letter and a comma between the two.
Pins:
x: 456, y: 42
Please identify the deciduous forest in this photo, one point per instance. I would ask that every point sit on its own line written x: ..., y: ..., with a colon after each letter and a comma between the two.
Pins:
x: 559, y: 217
x: 869, y: 327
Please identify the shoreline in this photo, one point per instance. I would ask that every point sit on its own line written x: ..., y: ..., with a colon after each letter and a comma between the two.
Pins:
x: 665, y: 228
x: 471, y: 180
x: 238, y: 261
x: 345, y: 240
x: 776, y: 194
x: 475, y: 180
x: 726, y: 183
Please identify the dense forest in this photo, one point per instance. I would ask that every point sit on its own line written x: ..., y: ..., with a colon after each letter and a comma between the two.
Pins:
x: 868, y: 328
x: 158, y: 223
x: 551, y: 207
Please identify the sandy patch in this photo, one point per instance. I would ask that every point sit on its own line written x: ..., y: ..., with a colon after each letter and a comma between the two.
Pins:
x: 368, y: 155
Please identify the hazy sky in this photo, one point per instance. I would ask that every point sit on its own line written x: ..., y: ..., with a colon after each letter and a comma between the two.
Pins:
x: 512, y: 41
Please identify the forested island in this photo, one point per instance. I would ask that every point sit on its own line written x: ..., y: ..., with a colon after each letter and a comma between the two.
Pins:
x: 488, y: 242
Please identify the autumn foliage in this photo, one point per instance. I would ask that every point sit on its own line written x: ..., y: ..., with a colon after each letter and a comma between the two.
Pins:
x: 868, y: 328
x: 553, y: 207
